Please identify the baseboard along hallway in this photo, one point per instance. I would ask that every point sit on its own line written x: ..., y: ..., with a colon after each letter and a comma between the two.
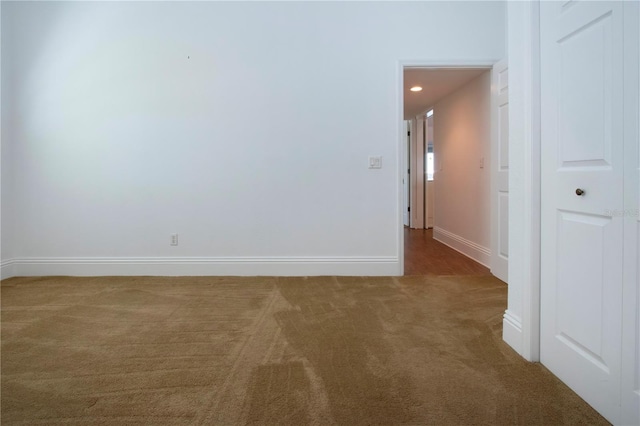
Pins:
x: 425, y: 256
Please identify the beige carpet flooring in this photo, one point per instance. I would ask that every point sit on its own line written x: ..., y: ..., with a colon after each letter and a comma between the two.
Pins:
x: 227, y: 351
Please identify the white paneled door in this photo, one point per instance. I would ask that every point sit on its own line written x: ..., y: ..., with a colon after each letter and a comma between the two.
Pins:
x: 582, y: 99
x: 406, y: 181
x: 500, y: 171
x: 417, y: 172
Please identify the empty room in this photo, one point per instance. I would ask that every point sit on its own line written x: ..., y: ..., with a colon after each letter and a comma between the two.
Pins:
x: 203, y: 208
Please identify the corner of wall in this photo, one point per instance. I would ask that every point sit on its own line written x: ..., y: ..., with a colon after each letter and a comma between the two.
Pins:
x: 512, y: 331
x: 7, y: 270
x: 524, y: 243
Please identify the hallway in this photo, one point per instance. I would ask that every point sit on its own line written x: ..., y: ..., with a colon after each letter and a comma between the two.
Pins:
x: 425, y: 256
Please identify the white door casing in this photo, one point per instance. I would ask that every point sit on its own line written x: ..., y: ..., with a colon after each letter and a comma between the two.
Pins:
x: 500, y: 171
x: 582, y: 237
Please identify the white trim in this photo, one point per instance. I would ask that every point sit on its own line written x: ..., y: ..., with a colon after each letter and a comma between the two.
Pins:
x: 401, y: 145
x: 531, y: 290
x: 470, y: 249
x: 448, y: 64
x: 512, y: 330
x: 7, y: 269
x: 524, y: 172
x: 195, y: 266
x: 630, y: 367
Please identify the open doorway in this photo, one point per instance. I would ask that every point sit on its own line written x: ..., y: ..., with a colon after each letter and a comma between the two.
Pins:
x: 418, y: 154
x: 450, y: 111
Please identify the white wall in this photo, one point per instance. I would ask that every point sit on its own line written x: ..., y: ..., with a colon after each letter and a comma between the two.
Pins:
x: 131, y: 121
x: 6, y: 171
x: 462, y: 138
x: 522, y: 320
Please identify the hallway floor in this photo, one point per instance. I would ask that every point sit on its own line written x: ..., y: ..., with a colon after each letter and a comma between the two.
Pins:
x: 425, y: 256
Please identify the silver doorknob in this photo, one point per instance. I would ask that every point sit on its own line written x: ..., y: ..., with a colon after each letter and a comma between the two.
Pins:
x: 579, y: 192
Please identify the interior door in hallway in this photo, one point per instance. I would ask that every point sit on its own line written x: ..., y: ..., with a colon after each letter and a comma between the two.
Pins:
x: 582, y: 183
x: 500, y: 171
x: 417, y: 172
x: 406, y: 180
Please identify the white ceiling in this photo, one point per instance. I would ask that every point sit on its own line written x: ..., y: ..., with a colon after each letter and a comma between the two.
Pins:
x: 435, y: 83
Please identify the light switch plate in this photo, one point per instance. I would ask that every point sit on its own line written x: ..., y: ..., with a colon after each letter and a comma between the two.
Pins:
x: 375, y: 162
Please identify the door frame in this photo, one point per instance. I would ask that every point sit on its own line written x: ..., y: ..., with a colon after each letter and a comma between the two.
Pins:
x: 433, y: 64
x: 522, y: 317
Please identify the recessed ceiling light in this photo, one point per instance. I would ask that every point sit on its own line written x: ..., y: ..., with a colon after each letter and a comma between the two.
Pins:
x: 416, y: 89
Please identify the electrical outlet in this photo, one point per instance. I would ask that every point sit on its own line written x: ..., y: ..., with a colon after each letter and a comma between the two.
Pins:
x: 174, y: 239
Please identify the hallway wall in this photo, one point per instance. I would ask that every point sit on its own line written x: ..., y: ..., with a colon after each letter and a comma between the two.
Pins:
x: 462, y: 146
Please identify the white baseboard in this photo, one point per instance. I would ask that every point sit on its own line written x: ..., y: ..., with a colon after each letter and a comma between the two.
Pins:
x: 202, y: 266
x: 470, y: 249
x: 7, y: 269
x: 512, y: 331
